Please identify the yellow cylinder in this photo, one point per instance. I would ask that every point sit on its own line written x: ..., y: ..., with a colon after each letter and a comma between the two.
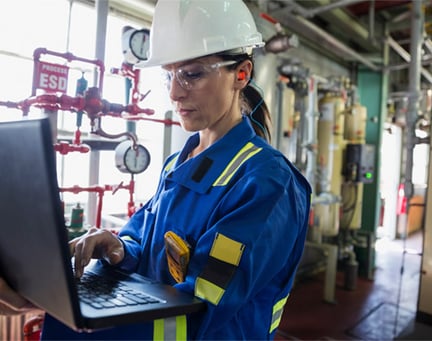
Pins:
x: 288, y: 111
x: 352, y: 203
x: 355, y: 124
x: 329, y: 161
x: 330, y: 143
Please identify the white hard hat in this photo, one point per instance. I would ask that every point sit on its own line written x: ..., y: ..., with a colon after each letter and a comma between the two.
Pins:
x: 187, y: 29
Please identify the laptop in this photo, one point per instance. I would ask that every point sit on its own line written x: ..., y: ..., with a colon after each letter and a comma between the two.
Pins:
x: 34, y: 252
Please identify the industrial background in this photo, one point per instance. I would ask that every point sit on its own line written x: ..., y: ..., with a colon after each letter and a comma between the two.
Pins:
x: 348, y: 83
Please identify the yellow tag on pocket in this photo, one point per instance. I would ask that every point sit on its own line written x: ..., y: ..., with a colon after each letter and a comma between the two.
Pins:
x: 177, y: 252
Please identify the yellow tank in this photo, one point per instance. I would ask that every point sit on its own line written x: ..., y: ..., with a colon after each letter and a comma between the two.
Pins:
x: 355, y: 124
x: 352, y: 203
x: 330, y: 141
x: 329, y: 161
x: 288, y: 111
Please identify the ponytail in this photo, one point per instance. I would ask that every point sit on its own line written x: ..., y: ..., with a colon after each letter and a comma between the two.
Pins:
x: 252, y: 102
x: 254, y: 107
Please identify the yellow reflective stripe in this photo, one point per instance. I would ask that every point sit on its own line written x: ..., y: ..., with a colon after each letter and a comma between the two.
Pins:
x: 244, y: 154
x: 277, y: 313
x: 208, y: 291
x: 227, y: 249
x: 173, y: 328
x: 126, y: 238
x: 181, y: 327
x: 158, y: 329
x: 170, y: 164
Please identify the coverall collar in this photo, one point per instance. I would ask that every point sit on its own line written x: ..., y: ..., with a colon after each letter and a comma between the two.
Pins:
x: 200, y: 172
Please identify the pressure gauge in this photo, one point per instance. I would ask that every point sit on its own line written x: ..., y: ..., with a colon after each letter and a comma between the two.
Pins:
x: 135, y: 44
x: 130, y: 160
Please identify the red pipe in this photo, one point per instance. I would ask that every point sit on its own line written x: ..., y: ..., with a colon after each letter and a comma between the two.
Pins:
x: 268, y: 18
x: 66, y: 148
x: 92, y: 104
x: 100, y: 190
x: 127, y: 70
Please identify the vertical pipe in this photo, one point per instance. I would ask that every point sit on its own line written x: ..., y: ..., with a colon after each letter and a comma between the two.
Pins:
x: 101, y: 7
x: 414, y: 91
x: 167, y: 136
x: 417, y: 26
x: 62, y: 174
x: 130, y: 125
x: 311, y: 142
x: 424, y: 303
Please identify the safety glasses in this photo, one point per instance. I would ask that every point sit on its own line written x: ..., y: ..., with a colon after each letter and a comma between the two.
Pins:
x: 194, y: 76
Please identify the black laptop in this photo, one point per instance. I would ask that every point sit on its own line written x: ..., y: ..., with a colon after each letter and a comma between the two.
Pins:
x: 34, y: 252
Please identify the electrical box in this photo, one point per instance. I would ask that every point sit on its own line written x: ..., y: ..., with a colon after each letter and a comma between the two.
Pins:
x: 359, y: 163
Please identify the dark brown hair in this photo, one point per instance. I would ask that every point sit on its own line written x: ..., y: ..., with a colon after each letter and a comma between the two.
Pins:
x: 252, y: 102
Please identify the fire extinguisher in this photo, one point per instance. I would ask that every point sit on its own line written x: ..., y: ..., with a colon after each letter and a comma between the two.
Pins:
x: 32, y: 328
x: 401, y: 200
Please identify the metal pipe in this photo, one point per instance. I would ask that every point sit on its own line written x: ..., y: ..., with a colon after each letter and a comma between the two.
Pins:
x: 102, y: 8
x: 307, y: 29
x: 309, y: 13
x: 425, y: 62
x: 428, y: 44
x: 372, y: 22
x: 399, y: 49
x: 167, y: 136
x: 417, y: 18
x: 311, y: 116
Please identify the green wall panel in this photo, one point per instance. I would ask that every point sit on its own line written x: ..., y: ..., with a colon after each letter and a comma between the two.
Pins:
x: 372, y: 91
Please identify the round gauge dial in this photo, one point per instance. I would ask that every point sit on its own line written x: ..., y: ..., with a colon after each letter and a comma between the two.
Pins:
x: 135, y: 44
x: 130, y: 160
x: 139, y: 43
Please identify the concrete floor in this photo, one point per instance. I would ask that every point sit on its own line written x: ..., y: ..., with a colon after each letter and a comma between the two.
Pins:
x: 380, y: 309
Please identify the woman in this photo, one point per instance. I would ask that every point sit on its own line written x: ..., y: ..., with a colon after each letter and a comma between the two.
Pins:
x: 237, y: 204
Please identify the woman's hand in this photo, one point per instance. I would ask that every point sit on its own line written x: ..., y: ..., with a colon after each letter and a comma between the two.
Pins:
x: 12, y: 303
x: 96, y: 243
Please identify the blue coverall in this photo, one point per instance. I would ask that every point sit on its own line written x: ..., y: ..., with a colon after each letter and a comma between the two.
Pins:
x: 243, y: 208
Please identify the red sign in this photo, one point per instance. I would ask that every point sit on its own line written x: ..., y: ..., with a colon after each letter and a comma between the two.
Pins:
x: 51, y: 77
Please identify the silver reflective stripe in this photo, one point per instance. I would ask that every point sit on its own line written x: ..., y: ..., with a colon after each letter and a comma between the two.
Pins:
x: 277, y: 313
x: 170, y: 327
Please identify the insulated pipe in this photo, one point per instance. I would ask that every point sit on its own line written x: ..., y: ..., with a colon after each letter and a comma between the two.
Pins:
x: 311, y: 117
x: 417, y: 18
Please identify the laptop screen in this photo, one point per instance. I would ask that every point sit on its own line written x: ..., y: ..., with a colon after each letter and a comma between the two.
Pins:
x: 32, y: 259
x: 34, y: 251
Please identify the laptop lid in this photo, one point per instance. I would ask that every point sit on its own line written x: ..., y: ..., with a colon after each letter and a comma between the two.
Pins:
x: 34, y: 252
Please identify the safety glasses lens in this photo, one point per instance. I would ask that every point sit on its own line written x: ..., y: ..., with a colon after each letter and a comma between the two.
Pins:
x: 191, y: 77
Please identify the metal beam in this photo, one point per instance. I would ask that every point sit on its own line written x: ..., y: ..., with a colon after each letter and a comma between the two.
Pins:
x: 407, y: 57
x: 308, y: 30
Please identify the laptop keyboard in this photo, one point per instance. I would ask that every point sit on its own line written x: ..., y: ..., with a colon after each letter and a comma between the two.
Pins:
x: 101, y: 292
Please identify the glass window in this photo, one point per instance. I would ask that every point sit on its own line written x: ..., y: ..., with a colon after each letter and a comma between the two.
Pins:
x: 60, y: 26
